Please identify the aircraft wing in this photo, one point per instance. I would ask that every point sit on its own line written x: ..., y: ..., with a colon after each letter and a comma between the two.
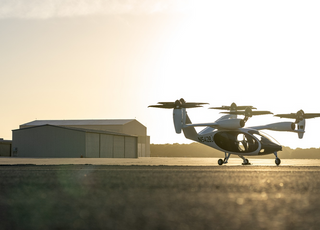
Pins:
x: 213, y: 125
x: 280, y: 126
x: 234, y: 123
x: 210, y: 124
x: 275, y: 128
x: 225, y: 117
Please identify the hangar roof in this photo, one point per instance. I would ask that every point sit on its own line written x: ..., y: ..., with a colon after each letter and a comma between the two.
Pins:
x: 5, y: 141
x: 79, y: 122
x: 78, y: 129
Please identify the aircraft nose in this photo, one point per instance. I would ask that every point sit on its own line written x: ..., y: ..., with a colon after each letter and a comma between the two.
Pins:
x: 278, y: 147
x: 271, y: 147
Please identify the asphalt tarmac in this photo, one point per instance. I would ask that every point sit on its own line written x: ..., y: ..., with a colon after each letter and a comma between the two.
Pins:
x: 159, y: 197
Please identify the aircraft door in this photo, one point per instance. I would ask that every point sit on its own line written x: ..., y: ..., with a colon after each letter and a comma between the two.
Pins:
x: 237, y: 142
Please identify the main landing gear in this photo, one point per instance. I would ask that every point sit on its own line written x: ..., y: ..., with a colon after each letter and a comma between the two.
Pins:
x: 277, y: 161
x: 245, y: 161
x: 225, y: 160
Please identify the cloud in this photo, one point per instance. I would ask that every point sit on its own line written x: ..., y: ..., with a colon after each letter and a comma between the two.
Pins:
x: 69, y: 8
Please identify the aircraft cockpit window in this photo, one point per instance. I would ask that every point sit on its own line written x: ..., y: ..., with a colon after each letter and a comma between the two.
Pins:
x: 261, y: 136
x: 241, y: 137
x: 235, y: 141
x: 242, y: 141
x: 257, y: 136
x: 269, y: 138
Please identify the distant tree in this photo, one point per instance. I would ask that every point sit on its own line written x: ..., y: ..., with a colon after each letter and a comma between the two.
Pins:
x: 311, y: 153
x: 199, y: 150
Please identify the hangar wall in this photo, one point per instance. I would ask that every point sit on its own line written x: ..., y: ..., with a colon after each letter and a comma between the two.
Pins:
x: 48, y: 141
x: 55, y: 141
x: 123, y: 126
x: 143, y: 146
x: 110, y: 146
x: 106, y: 146
x: 5, y: 148
x: 92, y: 145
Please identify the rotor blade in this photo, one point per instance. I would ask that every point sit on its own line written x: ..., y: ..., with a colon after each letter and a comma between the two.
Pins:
x: 166, y: 103
x: 294, y: 115
x: 189, y: 106
x: 192, y: 104
x: 254, y: 113
x: 289, y: 115
x: 243, y: 107
x: 178, y: 104
x: 224, y: 107
x: 311, y: 115
x: 162, y: 106
x: 185, y: 103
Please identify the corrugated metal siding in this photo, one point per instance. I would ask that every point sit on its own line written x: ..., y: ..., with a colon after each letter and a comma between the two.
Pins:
x: 135, y: 128
x: 118, y: 151
x: 110, y: 146
x: 130, y: 147
x: 141, y: 150
x: 106, y: 146
x: 92, y: 145
x: 55, y: 141
x: 48, y: 141
x: 5, y: 149
x: 117, y: 126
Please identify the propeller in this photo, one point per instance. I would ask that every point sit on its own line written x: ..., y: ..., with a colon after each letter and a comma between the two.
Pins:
x: 299, y: 116
x: 233, y: 106
x: 178, y: 104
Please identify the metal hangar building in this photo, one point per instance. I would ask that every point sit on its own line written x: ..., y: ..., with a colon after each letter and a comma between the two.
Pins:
x: 115, y: 138
x: 5, y: 148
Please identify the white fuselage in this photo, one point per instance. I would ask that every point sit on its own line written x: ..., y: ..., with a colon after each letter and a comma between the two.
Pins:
x: 243, y: 141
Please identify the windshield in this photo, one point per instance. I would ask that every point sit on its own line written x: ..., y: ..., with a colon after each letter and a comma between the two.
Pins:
x: 260, y: 135
x: 235, y: 141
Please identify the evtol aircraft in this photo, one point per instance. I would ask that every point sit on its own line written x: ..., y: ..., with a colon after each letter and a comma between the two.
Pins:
x: 228, y: 133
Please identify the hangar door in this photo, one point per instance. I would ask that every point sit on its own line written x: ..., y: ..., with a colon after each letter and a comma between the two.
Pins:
x: 130, y: 147
x: 92, y: 145
x: 106, y: 146
x: 118, y: 147
x: 110, y: 146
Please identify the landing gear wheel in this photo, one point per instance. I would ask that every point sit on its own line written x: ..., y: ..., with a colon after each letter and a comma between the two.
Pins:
x: 246, y: 162
x: 220, y: 162
x: 278, y: 161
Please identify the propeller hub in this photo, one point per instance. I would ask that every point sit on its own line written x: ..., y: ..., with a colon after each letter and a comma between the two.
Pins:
x: 233, y: 107
x: 182, y: 101
x: 248, y: 112
x: 300, y: 116
x: 177, y: 104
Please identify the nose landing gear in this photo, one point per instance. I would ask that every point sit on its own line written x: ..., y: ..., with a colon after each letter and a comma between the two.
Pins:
x: 277, y: 161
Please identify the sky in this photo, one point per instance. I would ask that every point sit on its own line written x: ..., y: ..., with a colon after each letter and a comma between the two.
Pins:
x: 106, y: 59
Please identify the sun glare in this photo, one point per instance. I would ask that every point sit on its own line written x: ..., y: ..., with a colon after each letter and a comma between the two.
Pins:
x: 246, y: 52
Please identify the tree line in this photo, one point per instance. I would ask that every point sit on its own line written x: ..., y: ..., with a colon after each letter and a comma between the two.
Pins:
x: 198, y: 150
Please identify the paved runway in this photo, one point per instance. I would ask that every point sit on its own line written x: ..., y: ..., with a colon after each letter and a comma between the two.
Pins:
x: 79, y: 196
x: 155, y: 161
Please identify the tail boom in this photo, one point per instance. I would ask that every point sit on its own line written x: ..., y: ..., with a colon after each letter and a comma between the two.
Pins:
x: 190, y: 132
